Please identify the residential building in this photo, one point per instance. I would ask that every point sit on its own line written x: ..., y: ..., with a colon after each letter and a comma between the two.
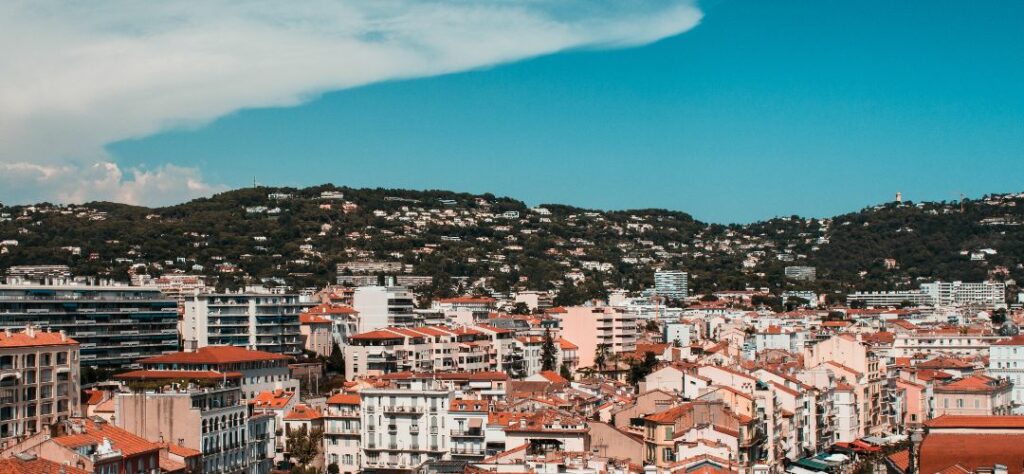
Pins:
x: 39, y: 381
x: 1006, y: 361
x: 671, y: 284
x: 261, y: 321
x: 535, y: 300
x: 317, y: 334
x: 955, y: 341
x: 114, y: 324
x: 404, y: 426
x: 342, y: 432
x: 200, y: 410
x: 613, y: 330
x: 381, y: 306
x: 977, y: 395
x: 801, y: 273
x: 96, y: 446
x: 258, y: 371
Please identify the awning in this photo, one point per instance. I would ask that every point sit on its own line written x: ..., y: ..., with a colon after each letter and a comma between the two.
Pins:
x: 476, y: 423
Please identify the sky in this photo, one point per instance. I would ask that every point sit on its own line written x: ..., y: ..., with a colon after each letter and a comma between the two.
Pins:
x: 731, y: 110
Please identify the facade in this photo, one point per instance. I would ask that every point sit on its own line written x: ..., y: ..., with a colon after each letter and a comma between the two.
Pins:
x: 95, y: 446
x: 204, y: 411
x: 671, y: 284
x: 987, y: 293
x: 404, y: 426
x: 878, y: 299
x: 39, y: 381
x: 370, y: 266
x: 535, y: 300
x: 590, y: 328
x: 976, y: 395
x: 260, y: 321
x: 1006, y: 361
x: 951, y: 341
x: 316, y: 334
x: 342, y: 432
x: 114, y: 324
x: 432, y: 348
x: 383, y: 306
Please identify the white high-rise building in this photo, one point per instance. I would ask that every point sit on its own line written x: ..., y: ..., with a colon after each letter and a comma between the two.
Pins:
x: 1006, y: 361
x: 261, y: 321
x: 383, y: 306
x: 671, y: 284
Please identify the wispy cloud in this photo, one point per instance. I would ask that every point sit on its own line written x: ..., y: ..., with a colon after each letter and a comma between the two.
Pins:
x: 75, y: 76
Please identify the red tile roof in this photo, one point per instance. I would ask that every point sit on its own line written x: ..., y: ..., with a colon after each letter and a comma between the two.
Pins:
x: 344, y: 399
x: 14, y: 465
x: 214, y: 355
x: 466, y: 300
x: 975, y: 383
x: 331, y: 309
x: 303, y: 412
x: 565, y: 345
x: 553, y: 376
x: 978, y: 422
x: 94, y: 433
x: 380, y: 334
x: 38, y: 337
x: 313, y: 319
x: 942, y: 451
x: 275, y: 399
x: 176, y: 374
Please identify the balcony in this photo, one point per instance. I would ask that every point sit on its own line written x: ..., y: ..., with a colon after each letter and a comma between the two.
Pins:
x: 400, y: 409
x: 468, y: 433
x: 468, y: 451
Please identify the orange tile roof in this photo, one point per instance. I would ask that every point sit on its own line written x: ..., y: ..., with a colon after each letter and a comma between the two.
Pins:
x: 670, y: 415
x: 331, y: 309
x: 179, y: 450
x: 942, y: 451
x: 38, y: 338
x: 469, y: 405
x: 553, y: 376
x: 565, y: 345
x: 275, y: 399
x: 380, y: 334
x: 303, y: 412
x: 214, y: 355
x: 94, y: 433
x: 975, y: 383
x: 305, y: 318
x: 14, y: 465
x: 344, y: 399
x: 978, y: 422
x: 176, y: 374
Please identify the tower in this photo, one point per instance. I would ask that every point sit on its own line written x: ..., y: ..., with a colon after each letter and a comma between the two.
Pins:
x: 899, y: 197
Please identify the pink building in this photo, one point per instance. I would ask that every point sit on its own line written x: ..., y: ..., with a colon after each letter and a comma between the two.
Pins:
x: 613, y: 330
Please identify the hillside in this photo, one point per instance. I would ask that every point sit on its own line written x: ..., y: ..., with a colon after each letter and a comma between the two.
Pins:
x: 296, y: 237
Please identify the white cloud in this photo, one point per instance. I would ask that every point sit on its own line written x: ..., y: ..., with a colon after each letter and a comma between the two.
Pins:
x: 75, y: 76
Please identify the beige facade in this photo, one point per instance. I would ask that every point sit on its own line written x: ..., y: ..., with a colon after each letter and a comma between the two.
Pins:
x: 613, y: 330
x: 39, y: 381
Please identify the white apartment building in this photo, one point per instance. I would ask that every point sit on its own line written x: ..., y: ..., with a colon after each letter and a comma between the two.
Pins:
x: 260, y: 321
x: 1006, y: 361
x: 986, y: 293
x: 39, y: 382
x: 679, y: 331
x: 803, y: 273
x: 535, y: 300
x: 342, y: 432
x: 946, y: 341
x: 671, y: 284
x: 431, y: 349
x: 383, y: 306
x: 404, y: 426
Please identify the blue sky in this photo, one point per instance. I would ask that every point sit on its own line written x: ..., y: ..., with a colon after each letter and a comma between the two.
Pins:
x: 763, y: 109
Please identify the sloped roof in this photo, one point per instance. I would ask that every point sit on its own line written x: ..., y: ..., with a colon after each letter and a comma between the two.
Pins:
x: 214, y: 355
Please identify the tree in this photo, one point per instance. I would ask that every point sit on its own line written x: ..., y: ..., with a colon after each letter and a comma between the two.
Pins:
x: 999, y: 316
x: 336, y: 362
x: 333, y: 468
x: 548, y: 352
x: 565, y: 372
x: 601, y: 356
x: 521, y: 308
x: 638, y: 370
x: 304, y: 445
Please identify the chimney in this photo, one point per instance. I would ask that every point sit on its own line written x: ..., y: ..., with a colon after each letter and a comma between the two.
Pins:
x: 999, y: 469
x: 63, y: 336
x: 30, y: 331
x: 7, y: 332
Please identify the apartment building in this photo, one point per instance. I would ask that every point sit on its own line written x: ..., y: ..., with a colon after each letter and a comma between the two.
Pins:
x: 344, y: 320
x: 113, y: 324
x: 955, y: 341
x: 671, y: 284
x: 39, y: 381
x: 258, y: 371
x: 976, y: 395
x: 316, y: 334
x: 860, y: 378
x: 342, y: 432
x: 989, y: 294
x: 370, y: 266
x: 534, y: 300
x: 383, y: 306
x: 613, y: 330
x: 261, y: 321
x: 882, y: 299
x: 1006, y: 361
x: 801, y: 273
x: 431, y: 348
x: 94, y: 445
x: 200, y: 410
x: 404, y: 426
